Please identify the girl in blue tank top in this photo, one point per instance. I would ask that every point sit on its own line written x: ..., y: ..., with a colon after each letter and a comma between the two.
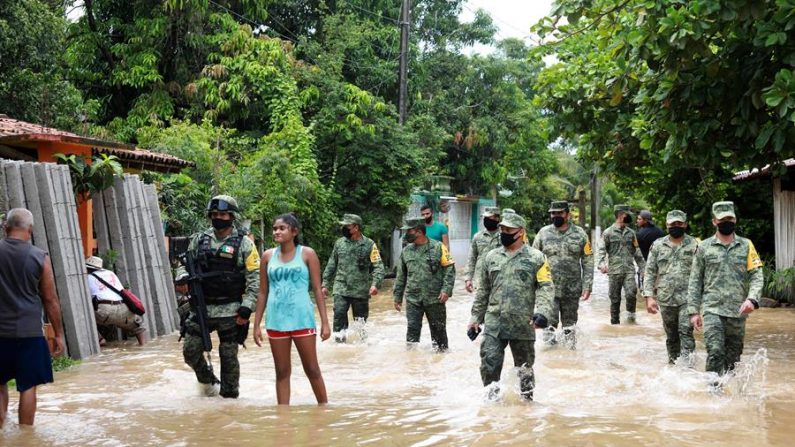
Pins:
x: 286, y: 273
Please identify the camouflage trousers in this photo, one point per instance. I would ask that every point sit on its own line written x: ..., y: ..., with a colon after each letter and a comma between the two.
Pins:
x: 359, y: 306
x: 437, y: 322
x: 724, y: 339
x: 615, y: 284
x: 492, y: 355
x: 564, y: 311
x: 678, y: 331
x: 192, y: 352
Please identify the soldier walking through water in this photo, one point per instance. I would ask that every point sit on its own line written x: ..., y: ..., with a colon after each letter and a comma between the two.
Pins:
x: 570, y: 257
x: 619, y: 248
x: 665, y: 289
x: 514, y: 298
x: 482, y: 243
x: 725, y: 285
x: 425, y: 278
x: 354, y: 272
x: 229, y: 264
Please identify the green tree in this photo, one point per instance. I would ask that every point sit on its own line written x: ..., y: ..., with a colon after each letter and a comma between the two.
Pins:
x: 671, y: 97
x: 33, y: 84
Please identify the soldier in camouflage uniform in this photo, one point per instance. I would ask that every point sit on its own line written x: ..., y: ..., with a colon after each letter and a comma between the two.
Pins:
x: 725, y: 284
x: 619, y: 247
x: 482, y: 243
x: 514, y: 297
x: 665, y: 288
x: 425, y: 278
x: 569, y: 253
x: 230, y: 295
x: 354, y: 271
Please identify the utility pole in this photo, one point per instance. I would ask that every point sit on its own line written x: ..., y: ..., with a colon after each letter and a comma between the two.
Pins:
x: 405, y: 20
x: 596, y: 201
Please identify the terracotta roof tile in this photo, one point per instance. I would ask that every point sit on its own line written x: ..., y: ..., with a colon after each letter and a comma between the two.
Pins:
x: 12, y: 130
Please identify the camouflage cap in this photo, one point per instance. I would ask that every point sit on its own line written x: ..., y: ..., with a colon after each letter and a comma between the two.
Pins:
x: 414, y: 222
x: 513, y: 220
x: 675, y: 216
x: 508, y: 211
x: 491, y: 211
x: 559, y: 205
x: 723, y: 209
x: 622, y: 208
x: 348, y: 219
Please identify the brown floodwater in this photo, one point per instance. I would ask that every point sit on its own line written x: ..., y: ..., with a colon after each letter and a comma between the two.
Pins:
x: 616, y: 389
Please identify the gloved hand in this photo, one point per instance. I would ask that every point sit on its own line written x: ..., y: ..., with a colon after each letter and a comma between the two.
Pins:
x: 540, y: 321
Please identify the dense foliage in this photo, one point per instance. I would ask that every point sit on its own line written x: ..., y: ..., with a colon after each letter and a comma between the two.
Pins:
x: 671, y: 97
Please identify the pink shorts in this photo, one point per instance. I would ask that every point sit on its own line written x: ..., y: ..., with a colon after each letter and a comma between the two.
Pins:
x: 291, y: 334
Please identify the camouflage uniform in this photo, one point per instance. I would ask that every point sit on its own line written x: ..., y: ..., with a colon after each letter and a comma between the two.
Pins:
x: 425, y: 271
x: 571, y: 260
x: 353, y: 267
x: 221, y: 317
x: 513, y: 286
x: 666, y: 279
x: 482, y: 243
x: 619, y: 247
x: 722, y: 278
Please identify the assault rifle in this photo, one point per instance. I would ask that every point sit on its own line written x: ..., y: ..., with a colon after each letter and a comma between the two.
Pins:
x: 197, y: 301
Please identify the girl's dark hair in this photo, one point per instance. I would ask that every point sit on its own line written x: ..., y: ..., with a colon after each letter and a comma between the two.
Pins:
x: 293, y: 223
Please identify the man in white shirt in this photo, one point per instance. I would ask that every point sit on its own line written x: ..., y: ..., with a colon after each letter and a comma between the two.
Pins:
x: 109, y: 308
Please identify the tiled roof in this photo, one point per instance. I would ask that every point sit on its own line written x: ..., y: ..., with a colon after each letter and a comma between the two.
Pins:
x: 756, y: 172
x: 16, y: 131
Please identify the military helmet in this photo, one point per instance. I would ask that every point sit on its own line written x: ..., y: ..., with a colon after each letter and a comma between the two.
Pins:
x: 223, y: 203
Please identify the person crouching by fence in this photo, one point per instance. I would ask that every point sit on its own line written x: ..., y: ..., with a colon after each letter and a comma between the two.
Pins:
x: 109, y: 308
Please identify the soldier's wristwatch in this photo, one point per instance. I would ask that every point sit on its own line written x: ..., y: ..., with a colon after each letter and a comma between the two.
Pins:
x: 754, y: 302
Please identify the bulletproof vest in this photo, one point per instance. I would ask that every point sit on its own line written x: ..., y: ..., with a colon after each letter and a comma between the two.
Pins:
x: 229, y: 280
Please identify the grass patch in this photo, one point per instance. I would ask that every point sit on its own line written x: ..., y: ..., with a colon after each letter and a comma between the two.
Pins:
x: 58, y: 364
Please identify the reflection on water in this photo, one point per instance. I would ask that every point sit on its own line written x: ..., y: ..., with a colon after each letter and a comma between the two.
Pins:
x: 615, y: 389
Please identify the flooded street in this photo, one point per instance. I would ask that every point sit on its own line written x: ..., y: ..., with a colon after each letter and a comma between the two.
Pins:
x: 615, y: 389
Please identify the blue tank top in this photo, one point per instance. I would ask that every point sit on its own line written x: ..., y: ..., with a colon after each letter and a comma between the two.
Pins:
x: 289, y: 307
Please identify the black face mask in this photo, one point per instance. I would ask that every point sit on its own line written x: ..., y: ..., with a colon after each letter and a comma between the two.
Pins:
x: 410, y: 237
x: 508, y: 239
x: 346, y: 232
x: 558, y: 221
x: 221, y: 224
x: 726, y: 228
x: 490, y: 224
x: 676, y: 232
x: 429, y: 219
x: 627, y: 219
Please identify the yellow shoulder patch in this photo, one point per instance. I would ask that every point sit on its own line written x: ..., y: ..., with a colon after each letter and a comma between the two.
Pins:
x: 544, y: 274
x: 635, y: 242
x: 446, y: 258
x: 753, y: 261
x: 375, y: 256
x: 586, y: 250
x: 252, y: 261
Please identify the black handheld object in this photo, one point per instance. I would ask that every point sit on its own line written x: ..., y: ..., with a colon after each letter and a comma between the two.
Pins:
x: 197, y: 301
x: 473, y: 333
x: 540, y: 321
